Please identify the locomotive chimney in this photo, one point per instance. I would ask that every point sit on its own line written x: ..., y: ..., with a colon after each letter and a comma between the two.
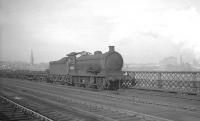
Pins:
x: 111, y: 48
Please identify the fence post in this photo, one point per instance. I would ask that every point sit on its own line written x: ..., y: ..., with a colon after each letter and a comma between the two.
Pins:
x: 194, y: 83
x: 133, y: 79
x: 159, y: 80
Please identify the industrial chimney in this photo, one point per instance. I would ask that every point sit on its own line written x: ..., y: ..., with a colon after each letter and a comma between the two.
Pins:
x: 181, y: 61
x: 32, y: 58
x: 111, y: 48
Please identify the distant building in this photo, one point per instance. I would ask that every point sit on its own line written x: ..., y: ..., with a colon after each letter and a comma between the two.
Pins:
x: 171, y: 64
x: 169, y: 61
x: 140, y: 67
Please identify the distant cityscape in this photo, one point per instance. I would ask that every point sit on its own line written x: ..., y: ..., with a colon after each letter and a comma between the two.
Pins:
x: 19, y: 65
x: 166, y: 64
x: 170, y: 63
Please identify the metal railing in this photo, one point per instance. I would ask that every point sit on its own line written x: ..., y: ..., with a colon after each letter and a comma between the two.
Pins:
x: 188, y: 82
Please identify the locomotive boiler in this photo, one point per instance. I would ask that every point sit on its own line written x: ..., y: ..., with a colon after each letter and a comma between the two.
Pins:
x: 100, y: 70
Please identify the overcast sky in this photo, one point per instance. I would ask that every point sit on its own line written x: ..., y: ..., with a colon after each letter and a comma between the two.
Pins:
x: 143, y: 31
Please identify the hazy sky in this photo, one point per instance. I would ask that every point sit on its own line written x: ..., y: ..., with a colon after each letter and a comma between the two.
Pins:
x: 142, y: 30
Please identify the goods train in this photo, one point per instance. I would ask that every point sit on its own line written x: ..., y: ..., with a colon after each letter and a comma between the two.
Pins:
x: 98, y: 70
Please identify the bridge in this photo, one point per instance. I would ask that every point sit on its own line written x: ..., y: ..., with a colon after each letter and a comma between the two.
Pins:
x: 181, y: 82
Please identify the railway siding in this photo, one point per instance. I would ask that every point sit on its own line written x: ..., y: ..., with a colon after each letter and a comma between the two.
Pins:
x: 27, y: 113
x: 126, y: 99
x: 88, y: 100
x: 54, y: 110
x: 101, y: 110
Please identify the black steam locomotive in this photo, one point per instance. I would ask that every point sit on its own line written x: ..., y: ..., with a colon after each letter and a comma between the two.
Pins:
x: 100, y: 70
x: 83, y: 69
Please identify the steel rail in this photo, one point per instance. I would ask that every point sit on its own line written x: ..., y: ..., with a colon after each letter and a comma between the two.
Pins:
x: 26, y: 110
x: 100, y: 106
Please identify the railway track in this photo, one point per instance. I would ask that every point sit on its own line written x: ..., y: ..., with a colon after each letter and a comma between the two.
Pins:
x: 162, y: 99
x: 170, y: 94
x: 146, y: 97
x: 51, y: 109
x: 102, y: 105
x: 108, y: 113
x: 127, y: 99
x: 12, y: 111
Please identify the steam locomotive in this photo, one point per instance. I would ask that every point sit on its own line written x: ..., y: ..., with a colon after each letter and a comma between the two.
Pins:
x: 82, y: 69
x: 100, y: 70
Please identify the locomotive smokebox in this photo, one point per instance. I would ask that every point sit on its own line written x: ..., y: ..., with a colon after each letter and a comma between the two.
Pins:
x: 111, y: 48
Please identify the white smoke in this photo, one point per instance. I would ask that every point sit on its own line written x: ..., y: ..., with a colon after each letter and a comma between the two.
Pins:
x: 179, y: 24
x: 141, y: 29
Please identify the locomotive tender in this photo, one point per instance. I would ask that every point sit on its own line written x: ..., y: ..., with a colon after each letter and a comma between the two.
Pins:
x: 100, y: 70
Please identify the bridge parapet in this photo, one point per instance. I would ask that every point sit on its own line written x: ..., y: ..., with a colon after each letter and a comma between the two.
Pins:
x: 184, y: 82
x: 187, y: 82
